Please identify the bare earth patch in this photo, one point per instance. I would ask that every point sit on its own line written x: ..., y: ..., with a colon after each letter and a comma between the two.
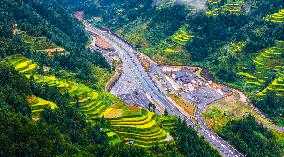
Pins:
x: 79, y: 15
x: 145, y: 63
x: 31, y: 99
x: 113, y: 113
x: 233, y: 107
x: 50, y: 52
x: 102, y: 43
x: 188, y: 108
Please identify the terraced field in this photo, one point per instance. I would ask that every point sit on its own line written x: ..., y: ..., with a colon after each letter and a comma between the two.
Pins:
x: 266, y: 62
x: 276, y: 17
x: 27, y: 67
x: 145, y: 131
x: 181, y: 36
x: 22, y: 64
x: 214, y: 1
x: 277, y: 85
x: 231, y: 7
x: 41, y: 44
x: 176, y: 42
x: 139, y: 127
x: 38, y: 105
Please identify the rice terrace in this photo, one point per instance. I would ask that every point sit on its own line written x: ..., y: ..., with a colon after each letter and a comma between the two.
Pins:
x: 143, y: 78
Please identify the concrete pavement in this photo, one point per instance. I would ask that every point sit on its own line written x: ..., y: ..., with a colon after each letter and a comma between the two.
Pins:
x: 134, y: 77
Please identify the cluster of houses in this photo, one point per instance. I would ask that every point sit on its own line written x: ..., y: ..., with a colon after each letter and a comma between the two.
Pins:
x: 187, y: 79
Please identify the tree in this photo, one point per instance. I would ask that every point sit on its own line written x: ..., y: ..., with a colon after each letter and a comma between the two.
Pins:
x: 151, y: 107
x: 190, y: 144
x: 251, y: 138
x: 166, y: 113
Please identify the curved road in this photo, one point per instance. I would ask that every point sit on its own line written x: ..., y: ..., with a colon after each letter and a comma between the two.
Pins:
x: 135, y: 70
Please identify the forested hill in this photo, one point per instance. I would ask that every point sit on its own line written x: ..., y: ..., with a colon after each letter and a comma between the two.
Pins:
x: 239, y: 41
x: 52, y: 98
x: 42, y: 18
x: 49, y: 20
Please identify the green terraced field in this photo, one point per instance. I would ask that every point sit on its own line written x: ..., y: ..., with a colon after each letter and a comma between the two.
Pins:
x: 231, y: 7
x: 276, y: 17
x: 86, y: 95
x: 38, y: 104
x: 181, y: 36
x: 91, y: 103
x: 38, y: 43
x: 143, y: 130
x: 266, y: 62
x: 277, y: 85
x: 22, y: 64
x: 214, y: 2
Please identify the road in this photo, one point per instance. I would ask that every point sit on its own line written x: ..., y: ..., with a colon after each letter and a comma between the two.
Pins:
x: 136, y: 74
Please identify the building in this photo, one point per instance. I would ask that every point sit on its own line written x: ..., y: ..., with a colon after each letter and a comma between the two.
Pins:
x: 226, y: 90
x: 185, y: 76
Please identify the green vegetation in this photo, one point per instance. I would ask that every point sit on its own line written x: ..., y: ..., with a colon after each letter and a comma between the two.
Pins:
x: 55, y: 105
x: 134, y: 125
x: 276, y: 17
x: 259, y: 75
x: 251, y: 138
x: 234, y: 39
x: 190, y: 144
x: 272, y: 105
x: 217, y: 7
x: 263, y: 75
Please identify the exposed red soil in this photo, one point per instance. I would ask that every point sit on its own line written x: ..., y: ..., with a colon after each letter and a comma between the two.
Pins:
x: 79, y: 15
x: 102, y: 43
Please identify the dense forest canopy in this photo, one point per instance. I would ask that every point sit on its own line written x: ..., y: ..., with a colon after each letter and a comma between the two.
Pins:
x: 251, y: 138
x: 44, y: 18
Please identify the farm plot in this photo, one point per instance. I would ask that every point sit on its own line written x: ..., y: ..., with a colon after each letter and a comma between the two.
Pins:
x: 89, y: 101
x: 22, y: 64
x: 41, y: 44
x: 38, y: 43
x: 38, y: 105
x: 231, y: 108
x: 266, y: 62
x: 277, y: 85
x: 214, y: 2
x: 276, y: 17
x: 130, y: 124
x: 144, y: 131
x: 181, y: 36
x: 230, y: 7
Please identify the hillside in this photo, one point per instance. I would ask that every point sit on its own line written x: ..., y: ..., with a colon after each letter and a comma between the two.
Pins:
x: 239, y: 42
x: 52, y: 98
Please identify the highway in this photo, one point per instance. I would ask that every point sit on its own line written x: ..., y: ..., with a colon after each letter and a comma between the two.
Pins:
x: 135, y: 73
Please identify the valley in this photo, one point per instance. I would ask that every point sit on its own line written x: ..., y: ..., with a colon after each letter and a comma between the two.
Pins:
x: 157, y: 78
x: 131, y: 91
x: 134, y: 72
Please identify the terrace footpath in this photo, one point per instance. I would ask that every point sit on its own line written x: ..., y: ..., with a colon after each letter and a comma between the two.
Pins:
x: 135, y: 74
